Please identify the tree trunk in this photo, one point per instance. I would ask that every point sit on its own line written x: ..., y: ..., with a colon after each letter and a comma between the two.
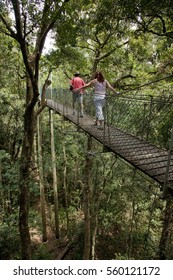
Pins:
x: 31, y: 61
x: 130, y: 237
x: 54, y: 175
x: 41, y: 180
x: 26, y: 166
x: 166, y: 228
x: 65, y: 190
x: 94, y: 235
x: 24, y: 196
x: 26, y: 163
x: 2, y: 204
x: 151, y: 212
x: 87, y: 200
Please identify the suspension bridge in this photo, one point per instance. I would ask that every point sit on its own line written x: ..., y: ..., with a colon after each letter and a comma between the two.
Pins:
x: 136, y: 128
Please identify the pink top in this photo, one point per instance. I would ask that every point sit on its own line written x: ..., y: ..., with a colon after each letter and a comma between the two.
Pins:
x: 77, y: 82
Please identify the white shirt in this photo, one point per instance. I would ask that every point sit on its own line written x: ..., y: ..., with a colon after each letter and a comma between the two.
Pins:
x: 100, y: 90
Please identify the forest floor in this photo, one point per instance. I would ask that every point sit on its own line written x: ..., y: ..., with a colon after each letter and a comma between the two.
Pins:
x: 44, y: 250
x: 56, y: 249
x: 71, y: 248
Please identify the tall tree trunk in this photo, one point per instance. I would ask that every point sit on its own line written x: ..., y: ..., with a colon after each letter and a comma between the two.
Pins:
x: 54, y: 175
x: 2, y: 204
x: 26, y: 166
x: 41, y: 180
x: 94, y: 234
x: 151, y: 212
x: 24, y: 195
x: 166, y: 228
x: 19, y: 31
x: 35, y: 153
x: 87, y: 200
x: 130, y: 237
x: 65, y: 190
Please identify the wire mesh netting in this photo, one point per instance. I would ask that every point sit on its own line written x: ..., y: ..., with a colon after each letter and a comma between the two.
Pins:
x: 136, y: 127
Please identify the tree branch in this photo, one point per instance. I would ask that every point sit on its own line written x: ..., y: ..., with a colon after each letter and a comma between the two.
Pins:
x: 11, y: 32
x: 16, y: 8
x: 111, y: 51
x: 123, y: 78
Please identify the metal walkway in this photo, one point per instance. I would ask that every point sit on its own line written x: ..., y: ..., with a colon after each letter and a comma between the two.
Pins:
x: 147, y: 157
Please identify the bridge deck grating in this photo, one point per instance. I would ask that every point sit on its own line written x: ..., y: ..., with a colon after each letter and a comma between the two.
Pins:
x: 143, y: 155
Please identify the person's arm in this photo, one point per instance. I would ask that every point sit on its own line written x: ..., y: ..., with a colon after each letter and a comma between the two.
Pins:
x: 91, y: 83
x: 110, y: 87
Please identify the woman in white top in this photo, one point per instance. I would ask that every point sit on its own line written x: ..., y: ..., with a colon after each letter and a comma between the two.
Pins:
x: 100, y: 86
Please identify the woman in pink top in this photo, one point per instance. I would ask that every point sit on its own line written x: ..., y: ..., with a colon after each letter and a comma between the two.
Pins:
x: 100, y: 86
x: 76, y: 83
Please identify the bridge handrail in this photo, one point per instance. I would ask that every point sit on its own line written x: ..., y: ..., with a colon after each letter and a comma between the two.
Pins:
x: 145, y: 116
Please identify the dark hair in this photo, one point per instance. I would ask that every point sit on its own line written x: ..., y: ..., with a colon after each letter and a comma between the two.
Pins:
x: 77, y: 74
x: 99, y: 76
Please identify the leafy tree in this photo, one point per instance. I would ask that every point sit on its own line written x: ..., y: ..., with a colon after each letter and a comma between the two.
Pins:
x: 131, y: 42
x: 31, y: 24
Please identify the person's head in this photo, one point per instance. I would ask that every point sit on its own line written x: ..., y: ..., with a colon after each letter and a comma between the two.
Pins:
x: 99, y: 76
x: 77, y: 74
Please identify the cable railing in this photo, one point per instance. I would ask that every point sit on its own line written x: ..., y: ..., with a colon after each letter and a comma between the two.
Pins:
x: 147, y: 117
x: 137, y: 127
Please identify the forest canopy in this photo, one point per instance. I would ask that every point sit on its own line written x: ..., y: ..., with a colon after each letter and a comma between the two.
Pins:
x: 51, y: 188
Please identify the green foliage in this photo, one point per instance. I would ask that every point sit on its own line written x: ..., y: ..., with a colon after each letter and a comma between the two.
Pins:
x: 131, y: 41
x: 9, y: 242
x: 118, y: 256
x: 11, y: 122
x: 42, y: 253
x: 78, y: 243
x: 8, y: 187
